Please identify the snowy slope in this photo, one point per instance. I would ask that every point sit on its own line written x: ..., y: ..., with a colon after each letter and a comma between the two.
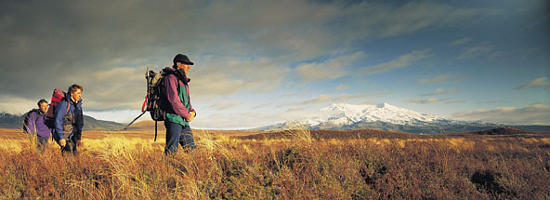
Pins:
x: 346, y: 114
x: 387, y: 117
x: 382, y: 116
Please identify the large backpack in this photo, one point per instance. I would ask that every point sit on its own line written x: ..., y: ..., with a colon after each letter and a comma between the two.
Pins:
x: 157, y: 104
x: 156, y: 99
x: 57, y: 96
x: 26, y: 116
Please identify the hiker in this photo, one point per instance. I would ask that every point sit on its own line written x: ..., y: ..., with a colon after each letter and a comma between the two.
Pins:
x: 35, y: 123
x: 69, y: 120
x: 181, y: 112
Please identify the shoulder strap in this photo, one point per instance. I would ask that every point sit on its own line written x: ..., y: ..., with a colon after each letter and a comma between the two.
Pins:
x: 68, y: 106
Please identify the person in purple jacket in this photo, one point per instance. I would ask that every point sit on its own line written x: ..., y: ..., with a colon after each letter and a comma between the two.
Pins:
x: 181, y: 111
x: 36, y: 124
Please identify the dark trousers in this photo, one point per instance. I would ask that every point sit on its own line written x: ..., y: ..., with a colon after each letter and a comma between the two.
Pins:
x: 70, y: 146
x: 177, y: 135
x: 41, y: 142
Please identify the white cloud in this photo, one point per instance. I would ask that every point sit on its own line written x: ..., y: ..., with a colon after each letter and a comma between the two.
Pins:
x: 434, y: 100
x: 425, y: 101
x: 115, y: 88
x: 333, y: 99
x: 447, y: 77
x: 476, y: 51
x: 16, y: 105
x: 452, y: 101
x: 385, y: 20
x: 260, y: 106
x: 219, y: 75
x: 237, y: 120
x: 288, y: 94
x: 402, y: 61
x: 214, y: 84
x: 330, y: 69
x: 460, y: 41
x: 538, y: 82
x: 536, y: 114
x: 295, y: 108
x: 440, y: 91
x: 319, y: 99
x: 342, y: 87
x: 226, y: 105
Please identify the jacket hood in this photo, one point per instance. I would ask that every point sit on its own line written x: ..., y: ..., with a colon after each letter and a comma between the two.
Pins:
x: 180, y: 74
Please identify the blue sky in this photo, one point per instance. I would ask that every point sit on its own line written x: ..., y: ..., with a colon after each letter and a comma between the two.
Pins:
x: 263, y: 62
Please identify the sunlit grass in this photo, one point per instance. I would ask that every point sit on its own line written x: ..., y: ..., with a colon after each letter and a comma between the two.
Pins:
x: 129, y: 165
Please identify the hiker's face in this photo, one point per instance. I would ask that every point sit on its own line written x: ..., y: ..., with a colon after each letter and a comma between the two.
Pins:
x: 184, y: 67
x: 76, y: 95
x: 44, y: 107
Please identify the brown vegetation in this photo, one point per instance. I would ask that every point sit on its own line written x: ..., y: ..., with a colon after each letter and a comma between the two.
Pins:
x: 295, y: 164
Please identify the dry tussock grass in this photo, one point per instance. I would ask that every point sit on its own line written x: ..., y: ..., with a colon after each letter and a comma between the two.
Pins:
x: 129, y: 165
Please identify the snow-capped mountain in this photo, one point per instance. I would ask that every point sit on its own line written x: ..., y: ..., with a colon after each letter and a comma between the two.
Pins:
x: 347, y: 114
x: 382, y: 116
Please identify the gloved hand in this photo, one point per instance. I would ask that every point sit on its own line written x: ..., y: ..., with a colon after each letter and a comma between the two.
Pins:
x: 78, y: 143
x: 62, y: 142
x: 191, y: 116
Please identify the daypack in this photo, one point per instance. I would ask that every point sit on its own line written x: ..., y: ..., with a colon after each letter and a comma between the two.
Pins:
x: 26, y: 121
x: 57, y: 96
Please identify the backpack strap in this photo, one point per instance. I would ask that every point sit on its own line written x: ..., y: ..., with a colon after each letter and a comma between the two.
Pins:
x: 68, y: 106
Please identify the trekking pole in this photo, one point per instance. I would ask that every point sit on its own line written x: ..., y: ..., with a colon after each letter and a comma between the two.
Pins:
x: 143, y: 110
x: 134, y: 120
x: 155, y: 132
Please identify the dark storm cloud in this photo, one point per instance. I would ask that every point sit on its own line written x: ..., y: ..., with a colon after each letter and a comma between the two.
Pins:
x: 104, y: 45
x: 51, y: 45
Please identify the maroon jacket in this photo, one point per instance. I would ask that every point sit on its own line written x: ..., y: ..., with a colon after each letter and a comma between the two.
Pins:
x: 172, y: 93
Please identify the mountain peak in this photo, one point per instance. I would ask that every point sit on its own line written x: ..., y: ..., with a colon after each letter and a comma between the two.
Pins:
x: 346, y: 114
x: 383, y: 105
x: 387, y: 117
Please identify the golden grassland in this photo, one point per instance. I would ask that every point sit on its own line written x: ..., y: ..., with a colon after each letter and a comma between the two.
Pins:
x: 292, y: 164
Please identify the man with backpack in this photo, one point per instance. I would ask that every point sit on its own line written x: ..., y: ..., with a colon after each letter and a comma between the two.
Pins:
x: 69, y: 120
x: 35, y: 122
x: 180, y: 111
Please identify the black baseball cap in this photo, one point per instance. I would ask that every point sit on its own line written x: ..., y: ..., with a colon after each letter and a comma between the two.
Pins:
x: 182, y: 59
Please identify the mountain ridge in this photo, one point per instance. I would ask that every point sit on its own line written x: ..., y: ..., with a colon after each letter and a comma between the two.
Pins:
x: 388, y: 117
x: 8, y: 120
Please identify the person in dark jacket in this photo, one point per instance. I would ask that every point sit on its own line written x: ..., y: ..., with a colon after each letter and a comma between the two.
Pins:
x: 178, y: 131
x: 69, y: 120
x: 36, y: 124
